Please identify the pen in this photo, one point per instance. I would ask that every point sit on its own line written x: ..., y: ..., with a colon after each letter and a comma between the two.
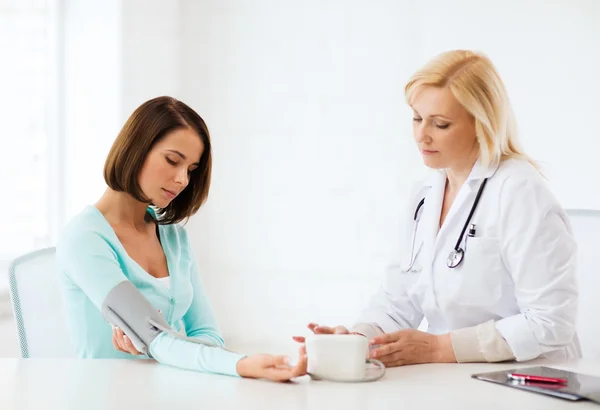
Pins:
x: 529, y: 377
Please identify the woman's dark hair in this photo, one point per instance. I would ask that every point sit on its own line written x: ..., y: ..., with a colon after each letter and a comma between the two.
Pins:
x: 148, y: 124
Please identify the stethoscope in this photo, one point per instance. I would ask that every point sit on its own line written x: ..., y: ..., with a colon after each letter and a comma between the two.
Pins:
x: 457, y: 255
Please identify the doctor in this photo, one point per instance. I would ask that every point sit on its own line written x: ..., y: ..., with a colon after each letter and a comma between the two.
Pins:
x: 488, y: 258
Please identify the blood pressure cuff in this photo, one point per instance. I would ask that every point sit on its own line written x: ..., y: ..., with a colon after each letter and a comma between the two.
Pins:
x: 126, y: 308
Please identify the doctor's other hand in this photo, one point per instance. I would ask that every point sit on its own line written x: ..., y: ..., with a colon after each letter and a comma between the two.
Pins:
x: 411, y: 346
x: 275, y: 368
x: 323, y: 330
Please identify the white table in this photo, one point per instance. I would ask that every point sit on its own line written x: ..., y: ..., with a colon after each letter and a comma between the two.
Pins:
x: 123, y: 384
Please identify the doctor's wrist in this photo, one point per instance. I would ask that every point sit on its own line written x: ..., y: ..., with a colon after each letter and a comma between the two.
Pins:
x: 443, y: 351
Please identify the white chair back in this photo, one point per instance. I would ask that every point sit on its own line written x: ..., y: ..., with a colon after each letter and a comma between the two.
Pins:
x: 586, y: 231
x: 37, y: 306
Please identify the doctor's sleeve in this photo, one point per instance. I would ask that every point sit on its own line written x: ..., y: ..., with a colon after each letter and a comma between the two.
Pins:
x: 481, y: 343
x: 390, y: 308
x: 539, y: 252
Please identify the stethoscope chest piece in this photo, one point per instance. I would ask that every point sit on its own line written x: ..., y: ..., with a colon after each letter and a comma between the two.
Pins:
x: 455, y: 258
x: 457, y: 255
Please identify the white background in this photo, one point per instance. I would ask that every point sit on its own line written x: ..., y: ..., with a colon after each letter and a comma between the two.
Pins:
x: 313, y: 153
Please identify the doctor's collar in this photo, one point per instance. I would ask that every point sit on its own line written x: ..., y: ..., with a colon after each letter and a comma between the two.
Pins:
x: 478, y: 172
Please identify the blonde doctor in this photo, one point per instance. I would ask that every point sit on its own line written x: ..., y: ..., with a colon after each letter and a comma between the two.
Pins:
x: 488, y: 258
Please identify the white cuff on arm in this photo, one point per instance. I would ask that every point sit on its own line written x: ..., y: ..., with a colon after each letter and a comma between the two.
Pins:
x: 370, y: 330
x: 481, y: 343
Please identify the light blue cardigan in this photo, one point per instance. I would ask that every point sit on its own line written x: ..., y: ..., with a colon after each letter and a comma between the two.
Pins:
x: 92, y: 261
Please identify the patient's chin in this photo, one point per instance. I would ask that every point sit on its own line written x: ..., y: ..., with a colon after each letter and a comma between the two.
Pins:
x: 160, y: 202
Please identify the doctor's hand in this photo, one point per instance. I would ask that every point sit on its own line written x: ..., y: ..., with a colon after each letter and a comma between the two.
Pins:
x: 411, y: 346
x: 323, y: 330
x: 275, y: 368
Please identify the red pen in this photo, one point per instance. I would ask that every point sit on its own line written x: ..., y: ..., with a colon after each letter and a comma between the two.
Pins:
x: 533, y: 378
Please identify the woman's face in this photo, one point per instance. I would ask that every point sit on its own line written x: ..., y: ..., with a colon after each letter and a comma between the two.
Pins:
x: 443, y: 130
x: 168, y: 165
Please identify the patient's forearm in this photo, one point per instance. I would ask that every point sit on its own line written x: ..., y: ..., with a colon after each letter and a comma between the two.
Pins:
x: 126, y: 308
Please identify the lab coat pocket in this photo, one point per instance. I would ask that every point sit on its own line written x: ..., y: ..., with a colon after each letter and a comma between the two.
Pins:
x: 482, y: 274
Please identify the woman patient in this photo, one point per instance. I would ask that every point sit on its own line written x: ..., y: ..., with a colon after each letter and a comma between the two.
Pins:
x: 158, y: 175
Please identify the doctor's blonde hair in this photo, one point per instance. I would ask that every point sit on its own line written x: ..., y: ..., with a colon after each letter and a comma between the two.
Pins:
x: 477, y: 86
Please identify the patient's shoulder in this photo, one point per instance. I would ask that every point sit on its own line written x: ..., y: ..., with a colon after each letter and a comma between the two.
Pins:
x: 86, y: 230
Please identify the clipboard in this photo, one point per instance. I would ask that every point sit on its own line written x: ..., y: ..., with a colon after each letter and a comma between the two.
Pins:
x: 578, y: 386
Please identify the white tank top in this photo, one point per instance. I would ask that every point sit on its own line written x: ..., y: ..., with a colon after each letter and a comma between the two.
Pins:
x: 165, y: 281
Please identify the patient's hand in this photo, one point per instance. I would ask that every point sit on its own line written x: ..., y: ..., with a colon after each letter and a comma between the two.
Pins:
x: 275, y: 368
x: 122, y: 343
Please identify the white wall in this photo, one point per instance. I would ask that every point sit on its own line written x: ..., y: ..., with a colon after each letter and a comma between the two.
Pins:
x: 150, y: 52
x: 548, y: 54
x: 303, y: 104
x: 118, y: 54
x: 313, y: 153
x: 92, y: 81
x: 312, y: 143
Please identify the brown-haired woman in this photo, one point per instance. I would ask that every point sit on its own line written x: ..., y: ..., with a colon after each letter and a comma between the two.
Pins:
x: 158, y: 175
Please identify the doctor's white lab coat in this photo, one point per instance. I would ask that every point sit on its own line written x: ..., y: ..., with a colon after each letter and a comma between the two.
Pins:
x: 519, y: 270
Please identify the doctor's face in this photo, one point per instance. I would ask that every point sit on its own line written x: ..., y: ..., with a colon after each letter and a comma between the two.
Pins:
x: 443, y: 130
